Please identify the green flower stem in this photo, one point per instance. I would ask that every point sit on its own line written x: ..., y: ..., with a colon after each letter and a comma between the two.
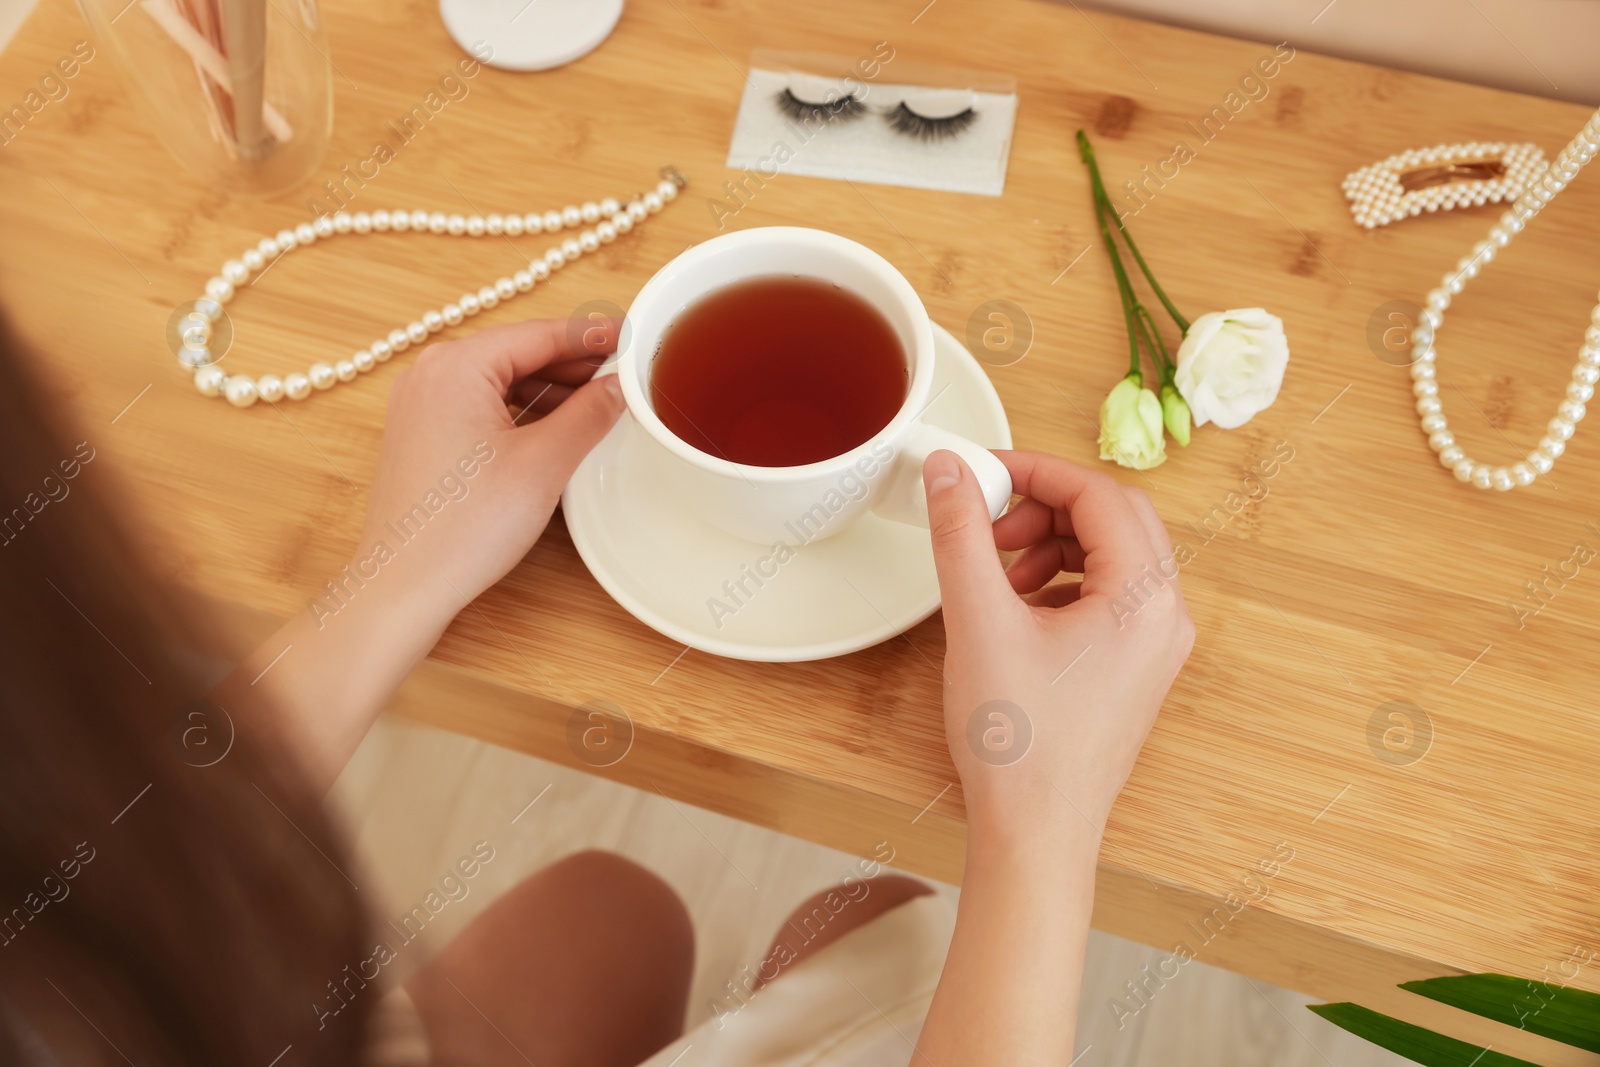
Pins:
x: 1124, y: 288
x: 1086, y: 150
x: 1164, y: 363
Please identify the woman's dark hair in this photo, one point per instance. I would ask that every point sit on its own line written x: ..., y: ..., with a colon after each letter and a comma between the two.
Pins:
x: 170, y: 891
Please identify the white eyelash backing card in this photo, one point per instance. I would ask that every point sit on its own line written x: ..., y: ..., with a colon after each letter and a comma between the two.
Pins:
x: 969, y: 158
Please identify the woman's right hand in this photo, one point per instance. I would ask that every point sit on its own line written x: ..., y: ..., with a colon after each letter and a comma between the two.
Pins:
x: 1050, y: 689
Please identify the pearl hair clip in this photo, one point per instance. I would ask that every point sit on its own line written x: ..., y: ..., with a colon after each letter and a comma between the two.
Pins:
x: 1572, y: 407
x: 1440, y: 178
x: 194, y: 325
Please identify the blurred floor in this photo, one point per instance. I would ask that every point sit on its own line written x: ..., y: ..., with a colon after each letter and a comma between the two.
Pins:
x: 417, y: 799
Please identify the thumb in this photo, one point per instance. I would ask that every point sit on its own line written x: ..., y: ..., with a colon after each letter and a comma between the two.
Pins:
x: 970, y: 576
x: 576, y: 425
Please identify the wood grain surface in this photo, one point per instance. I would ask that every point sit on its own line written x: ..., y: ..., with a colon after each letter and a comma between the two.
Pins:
x: 1362, y: 574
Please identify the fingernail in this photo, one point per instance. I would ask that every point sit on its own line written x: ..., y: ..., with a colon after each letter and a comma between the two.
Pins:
x: 940, y: 471
x: 612, y: 383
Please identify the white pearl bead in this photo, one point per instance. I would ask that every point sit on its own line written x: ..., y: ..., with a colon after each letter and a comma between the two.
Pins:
x: 606, y: 232
x: 523, y: 280
x: 494, y: 224
x: 1440, y: 440
x: 382, y: 350
x: 637, y: 211
x: 433, y: 320
x: 653, y: 202
x: 1434, y: 423
x: 571, y: 215
x: 469, y: 304
x: 588, y: 241
x: 476, y: 226
x: 220, y: 290
x: 554, y: 258
x: 513, y: 225
x: 1551, y: 447
x: 533, y: 222
x: 235, y: 271
x: 1572, y: 411
x: 342, y: 222
x: 1586, y: 374
x: 456, y: 225
x: 1589, y: 356
x: 364, y: 360
x: 322, y: 376
x: 208, y: 308
x: 398, y: 340
x: 438, y: 222
x: 1501, y: 479
x: 270, y: 386
x: 240, y: 390
x: 1426, y: 387
x: 419, y: 220
x: 452, y: 314
x: 571, y: 249
x: 193, y: 355
x: 1454, y: 284
x: 380, y: 221
x: 305, y: 234
x: 1559, y: 429
x: 209, y: 380
x: 345, y: 370
x: 268, y: 247
x: 1423, y: 370
x: 589, y: 212
x: 540, y: 269
x: 1451, y: 456
x: 253, y: 259
x: 286, y: 240
x: 609, y: 206
x: 622, y: 221
x: 488, y: 298
x: 399, y: 221
x: 361, y: 222
x: 1483, y: 476
x: 1522, y: 474
x: 1429, y: 405
x: 1540, y: 463
x: 1582, y: 392
x: 505, y: 288
x: 416, y: 332
x: 667, y: 190
x: 1463, y: 470
x: 296, y: 386
x: 553, y: 221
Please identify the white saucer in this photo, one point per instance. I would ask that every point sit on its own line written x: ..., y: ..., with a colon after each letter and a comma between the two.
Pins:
x: 862, y: 586
x: 530, y: 34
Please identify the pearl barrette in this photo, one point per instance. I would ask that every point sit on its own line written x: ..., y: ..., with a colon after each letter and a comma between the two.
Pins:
x: 605, y: 221
x: 1585, y: 373
x: 1440, y: 178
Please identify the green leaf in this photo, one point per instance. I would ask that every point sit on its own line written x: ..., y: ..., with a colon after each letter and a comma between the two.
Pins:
x: 1571, y: 1016
x: 1413, y: 1042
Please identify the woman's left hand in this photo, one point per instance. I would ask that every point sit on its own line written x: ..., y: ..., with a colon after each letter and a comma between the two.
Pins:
x: 462, y: 491
x: 465, y: 482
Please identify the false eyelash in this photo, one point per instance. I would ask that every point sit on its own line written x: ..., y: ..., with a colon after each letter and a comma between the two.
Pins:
x: 903, y: 120
x: 843, y: 109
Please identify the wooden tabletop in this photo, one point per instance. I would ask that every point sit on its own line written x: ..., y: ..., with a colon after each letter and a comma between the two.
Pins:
x: 1361, y: 574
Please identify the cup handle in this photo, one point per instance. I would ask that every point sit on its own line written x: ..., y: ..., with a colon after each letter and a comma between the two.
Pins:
x: 904, y: 499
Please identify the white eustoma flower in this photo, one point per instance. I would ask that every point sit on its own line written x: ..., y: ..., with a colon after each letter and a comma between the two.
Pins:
x: 1231, y: 364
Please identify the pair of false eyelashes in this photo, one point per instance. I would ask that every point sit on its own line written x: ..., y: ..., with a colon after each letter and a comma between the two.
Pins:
x: 900, y: 118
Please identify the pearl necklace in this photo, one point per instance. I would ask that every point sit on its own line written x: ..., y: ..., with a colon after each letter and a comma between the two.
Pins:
x: 1585, y: 373
x: 606, y: 218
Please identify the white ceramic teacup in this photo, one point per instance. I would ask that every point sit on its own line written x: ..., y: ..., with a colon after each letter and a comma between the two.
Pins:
x: 883, y: 475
